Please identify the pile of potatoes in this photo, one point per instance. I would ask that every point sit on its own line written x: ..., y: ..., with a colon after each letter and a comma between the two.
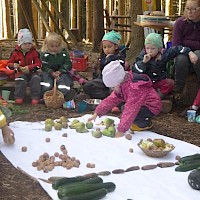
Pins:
x: 47, y: 163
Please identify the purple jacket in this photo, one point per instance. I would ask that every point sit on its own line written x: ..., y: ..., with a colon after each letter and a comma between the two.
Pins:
x: 134, y: 95
x: 186, y: 33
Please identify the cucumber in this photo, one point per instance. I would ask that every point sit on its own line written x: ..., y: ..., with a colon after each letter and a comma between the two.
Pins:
x: 88, y: 181
x: 93, y: 180
x: 64, y: 181
x: 190, y: 158
x: 83, y: 188
x: 187, y: 167
x: 92, y: 195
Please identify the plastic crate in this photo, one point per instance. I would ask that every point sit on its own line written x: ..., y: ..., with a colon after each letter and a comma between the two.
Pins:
x: 80, y: 64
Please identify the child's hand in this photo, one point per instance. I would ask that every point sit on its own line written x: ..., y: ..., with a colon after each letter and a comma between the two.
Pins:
x: 8, y: 135
x: 94, y: 116
x: 146, y: 58
x: 193, y: 57
x: 119, y: 134
x: 16, y: 65
x: 24, y: 69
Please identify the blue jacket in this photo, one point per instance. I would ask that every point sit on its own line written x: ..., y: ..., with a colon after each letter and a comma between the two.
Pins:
x: 156, y: 68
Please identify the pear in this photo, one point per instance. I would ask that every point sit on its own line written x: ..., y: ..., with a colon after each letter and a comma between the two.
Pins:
x: 75, y: 121
x: 64, y: 124
x: 63, y: 119
x: 48, y: 127
x: 76, y: 125
x: 81, y: 130
x: 107, y: 133
x: 112, y: 130
x: 159, y: 143
x: 49, y: 121
x: 97, y: 133
x: 58, y: 126
x: 89, y: 125
x: 108, y: 122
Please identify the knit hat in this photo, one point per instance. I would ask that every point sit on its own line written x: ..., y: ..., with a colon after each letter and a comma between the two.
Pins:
x: 113, y: 74
x: 112, y: 36
x: 24, y: 36
x: 155, y: 39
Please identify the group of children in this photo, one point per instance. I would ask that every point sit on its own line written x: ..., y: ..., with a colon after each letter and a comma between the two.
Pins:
x: 140, y: 92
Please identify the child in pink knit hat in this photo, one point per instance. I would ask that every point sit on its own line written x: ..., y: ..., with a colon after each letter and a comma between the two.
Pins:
x: 141, y: 101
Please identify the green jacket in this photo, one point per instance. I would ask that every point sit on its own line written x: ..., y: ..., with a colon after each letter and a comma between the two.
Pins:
x: 56, y: 62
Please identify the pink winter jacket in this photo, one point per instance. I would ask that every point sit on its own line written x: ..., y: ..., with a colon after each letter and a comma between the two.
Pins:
x: 134, y: 95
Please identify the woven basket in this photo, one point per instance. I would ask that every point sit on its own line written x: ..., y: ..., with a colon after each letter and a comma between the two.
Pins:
x: 54, y: 98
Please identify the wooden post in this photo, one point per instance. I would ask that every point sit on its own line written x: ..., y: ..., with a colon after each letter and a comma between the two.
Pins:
x: 31, y: 26
x: 65, y: 25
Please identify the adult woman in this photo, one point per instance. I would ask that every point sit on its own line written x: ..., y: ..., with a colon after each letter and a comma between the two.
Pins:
x: 186, y: 32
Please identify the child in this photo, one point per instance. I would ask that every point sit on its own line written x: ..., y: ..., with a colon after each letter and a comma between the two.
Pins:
x: 110, y: 51
x: 25, y: 61
x: 7, y: 133
x: 152, y: 61
x: 56, y: 64
x: 136, y: 91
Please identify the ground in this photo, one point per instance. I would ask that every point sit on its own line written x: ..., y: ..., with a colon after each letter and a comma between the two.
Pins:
x: 15, y: 184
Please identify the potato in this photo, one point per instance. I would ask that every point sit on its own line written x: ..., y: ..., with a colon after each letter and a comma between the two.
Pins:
x: 24, y: 149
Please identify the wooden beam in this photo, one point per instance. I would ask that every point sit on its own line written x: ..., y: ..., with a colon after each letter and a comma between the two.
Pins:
x: 65, y: 24
x: 55, y: 23
x: 45, y: 22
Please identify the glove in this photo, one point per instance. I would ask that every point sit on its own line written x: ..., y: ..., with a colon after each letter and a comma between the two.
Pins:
x: 25, y: 69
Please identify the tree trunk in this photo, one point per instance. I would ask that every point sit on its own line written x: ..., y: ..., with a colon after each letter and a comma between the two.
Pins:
x: 98, y: 27
x: 137, y: 33
x: 89, y: 16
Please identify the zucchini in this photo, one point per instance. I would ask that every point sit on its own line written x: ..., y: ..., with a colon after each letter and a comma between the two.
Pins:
x: 92, y: 195
x: 190, y: 158
x: 188, y: 166
x: 83, y: 188
x: 68, y: 180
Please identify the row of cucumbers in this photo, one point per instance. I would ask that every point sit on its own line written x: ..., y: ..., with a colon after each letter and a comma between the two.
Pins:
x: 188, y: 163
x: 82, y: 188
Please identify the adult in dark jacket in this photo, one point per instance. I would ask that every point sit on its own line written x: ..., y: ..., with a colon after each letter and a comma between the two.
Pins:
x: 186, y: 32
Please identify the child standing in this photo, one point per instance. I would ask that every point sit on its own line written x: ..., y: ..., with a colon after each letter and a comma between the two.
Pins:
x: 7, y: 133
x: 152, y: 61
x: 136, y: 91
x: 111, y: 51
x: 56, y: 64
x: 25, y: 61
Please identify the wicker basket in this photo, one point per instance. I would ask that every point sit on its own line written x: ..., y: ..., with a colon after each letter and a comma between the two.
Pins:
x: 155, y: 153
x: 54, y: 98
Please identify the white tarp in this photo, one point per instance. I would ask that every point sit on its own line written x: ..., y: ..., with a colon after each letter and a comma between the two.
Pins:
x: 107, y: 154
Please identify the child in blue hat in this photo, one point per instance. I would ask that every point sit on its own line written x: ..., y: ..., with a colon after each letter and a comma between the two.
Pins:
x: 111, y: 51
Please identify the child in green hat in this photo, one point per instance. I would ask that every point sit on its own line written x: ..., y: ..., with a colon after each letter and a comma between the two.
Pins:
x: 111, y: 50
x: 152, y: 61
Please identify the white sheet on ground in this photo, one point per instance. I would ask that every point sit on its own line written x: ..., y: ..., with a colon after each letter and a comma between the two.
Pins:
x: 107, y: 154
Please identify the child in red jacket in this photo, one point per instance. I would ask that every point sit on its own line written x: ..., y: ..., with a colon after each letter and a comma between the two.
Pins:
x: 141, y: 101
x: 26, y: 62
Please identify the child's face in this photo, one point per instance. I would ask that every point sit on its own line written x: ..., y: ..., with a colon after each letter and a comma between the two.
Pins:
x: 26, y: 47
x: 151, y: 49
x: 53, y: 47
x: 109, y: 47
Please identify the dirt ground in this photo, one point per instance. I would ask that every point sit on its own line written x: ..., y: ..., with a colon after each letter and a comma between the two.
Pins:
x: 15, y: 184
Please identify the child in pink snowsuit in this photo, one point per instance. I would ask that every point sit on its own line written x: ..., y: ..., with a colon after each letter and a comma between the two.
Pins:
x: 141, y: 101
